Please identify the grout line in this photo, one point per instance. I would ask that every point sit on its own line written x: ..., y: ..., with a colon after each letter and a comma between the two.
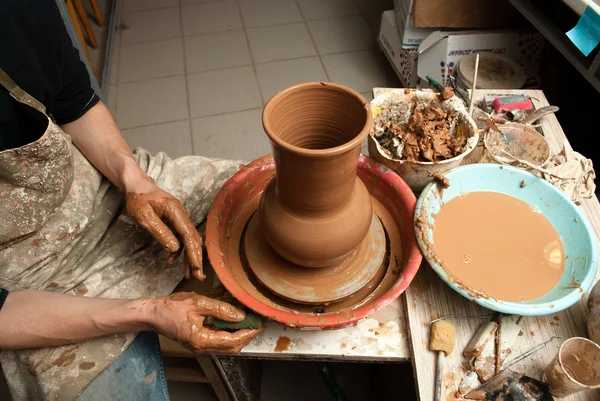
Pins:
x: 195, y: 118
x: 150, y: 41
x: 155, y: 124
x: 146, y: 10
x: 187, y: 89
x: 239, y: 66
x: 228, y: 112
x: 313, y: 41
x: 154, y: 78
x: 256, y: 80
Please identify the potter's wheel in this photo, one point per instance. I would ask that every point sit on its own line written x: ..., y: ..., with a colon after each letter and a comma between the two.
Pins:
x: 389, y: 269
x: 320, y: 285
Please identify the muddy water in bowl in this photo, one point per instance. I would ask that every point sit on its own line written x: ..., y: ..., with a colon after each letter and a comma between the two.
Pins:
x: 499, y: 245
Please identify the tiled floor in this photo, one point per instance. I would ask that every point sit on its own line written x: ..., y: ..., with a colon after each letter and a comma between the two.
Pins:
x: 191, y: 76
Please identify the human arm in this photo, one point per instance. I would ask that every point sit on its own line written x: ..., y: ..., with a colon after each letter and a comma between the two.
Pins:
x: 31, y: 319
x: 97, y: 136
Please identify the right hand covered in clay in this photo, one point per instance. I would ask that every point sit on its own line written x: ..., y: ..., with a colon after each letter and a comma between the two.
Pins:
x: 181, y: 317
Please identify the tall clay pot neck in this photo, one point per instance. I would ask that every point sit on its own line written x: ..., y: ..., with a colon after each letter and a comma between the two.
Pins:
x: 316, y: 130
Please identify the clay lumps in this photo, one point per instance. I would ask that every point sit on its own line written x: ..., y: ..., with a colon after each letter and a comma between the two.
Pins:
x: 426, y: 137
x: 316, y: 211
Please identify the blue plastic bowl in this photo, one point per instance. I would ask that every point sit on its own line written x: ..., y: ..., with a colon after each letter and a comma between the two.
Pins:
x: 576, y: 233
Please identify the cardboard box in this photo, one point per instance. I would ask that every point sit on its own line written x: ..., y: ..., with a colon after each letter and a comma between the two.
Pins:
x: 464, y: 14
x: 441, y: 51
x: 410, y: 36
x: 403, y: 60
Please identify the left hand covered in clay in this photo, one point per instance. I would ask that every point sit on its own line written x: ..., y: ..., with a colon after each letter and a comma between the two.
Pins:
x: 157, y: 211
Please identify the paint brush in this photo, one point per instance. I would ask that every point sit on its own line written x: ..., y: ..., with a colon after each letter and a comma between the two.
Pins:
x: 443, y: 337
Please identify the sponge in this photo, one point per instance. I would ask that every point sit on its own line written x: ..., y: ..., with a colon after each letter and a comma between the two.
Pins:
x: 443, y: 336
x: 251, y: 321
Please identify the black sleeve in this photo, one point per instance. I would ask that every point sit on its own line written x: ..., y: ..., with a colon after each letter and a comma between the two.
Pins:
x: 3, y: 295
x: 75, y: 96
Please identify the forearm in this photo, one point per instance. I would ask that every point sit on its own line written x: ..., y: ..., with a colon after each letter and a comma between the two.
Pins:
x: 97, y: 136
x: 31, y: 319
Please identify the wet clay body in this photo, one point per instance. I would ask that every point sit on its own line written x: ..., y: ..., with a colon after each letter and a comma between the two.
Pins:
x: 498, y: 244
x: 426, y: 137
x: 316, y: 211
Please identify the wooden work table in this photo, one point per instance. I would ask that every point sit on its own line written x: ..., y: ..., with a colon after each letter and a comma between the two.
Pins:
x: 400, y: 332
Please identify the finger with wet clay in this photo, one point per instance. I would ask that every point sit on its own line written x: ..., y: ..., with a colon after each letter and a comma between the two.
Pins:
x: 219, y: 309
x: 180, y: 219
x: 172, y: 257
x: 144, y: 214
x: 197, y: 273
x: 222, y: 341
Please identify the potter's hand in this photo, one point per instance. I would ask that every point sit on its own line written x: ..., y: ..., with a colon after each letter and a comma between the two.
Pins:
x: 151, y: 207
x: 180, y: 316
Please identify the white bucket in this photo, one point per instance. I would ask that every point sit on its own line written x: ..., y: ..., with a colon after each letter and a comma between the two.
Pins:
x: 418, y: 174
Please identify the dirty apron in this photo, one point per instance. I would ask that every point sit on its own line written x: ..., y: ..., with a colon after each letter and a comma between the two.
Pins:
x: 64, y: 228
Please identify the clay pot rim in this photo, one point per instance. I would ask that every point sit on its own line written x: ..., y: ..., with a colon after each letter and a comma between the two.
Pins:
x: 337, y: 150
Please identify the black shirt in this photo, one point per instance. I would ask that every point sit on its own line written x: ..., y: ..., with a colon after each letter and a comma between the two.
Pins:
x: 37, y: 53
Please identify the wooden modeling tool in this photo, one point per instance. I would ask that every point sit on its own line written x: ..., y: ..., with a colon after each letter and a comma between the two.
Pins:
x: 474, y: 85
x: 443, y: 337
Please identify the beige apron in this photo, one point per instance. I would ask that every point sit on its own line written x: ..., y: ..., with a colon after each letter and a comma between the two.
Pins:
x: 64, y: 229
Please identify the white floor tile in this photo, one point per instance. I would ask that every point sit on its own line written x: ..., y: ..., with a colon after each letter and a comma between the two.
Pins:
x: 374, y: 21
x: 269, y: 12
x: 216, y: 50
x: 341, y: 34
x: 142, y: 5
x: 151, y: 60
x: 151, y: 102
x: 232, y: 136
x: 362, y: 70
x: 223, y: 91
x: 172, y: 138
x: 280, y: 42
x: 368, y: 95
x: 147, y: 26
x: 319, y: 9
x: 211, y: 17
x: 280, y: 74
x: 111, y: 102
x: 113, y: 79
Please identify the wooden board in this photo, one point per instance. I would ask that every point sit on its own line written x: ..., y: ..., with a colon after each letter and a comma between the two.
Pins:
x: 428, y: 297
x: 381, y: 337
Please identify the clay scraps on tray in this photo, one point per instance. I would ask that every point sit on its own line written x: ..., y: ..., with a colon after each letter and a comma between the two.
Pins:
x: 426, y: 137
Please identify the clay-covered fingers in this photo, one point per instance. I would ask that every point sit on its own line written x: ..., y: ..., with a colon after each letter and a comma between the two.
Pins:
x: 208, y: 340
x: 218, y: 309
x: 145, y: 215
x: 172, y: 257
x: 175, y: 213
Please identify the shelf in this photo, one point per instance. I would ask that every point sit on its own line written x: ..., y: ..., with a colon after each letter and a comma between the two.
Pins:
x: 587, y: 68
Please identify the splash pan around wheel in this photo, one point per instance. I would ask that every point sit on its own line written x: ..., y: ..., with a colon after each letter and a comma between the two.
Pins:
x: 234, y: 207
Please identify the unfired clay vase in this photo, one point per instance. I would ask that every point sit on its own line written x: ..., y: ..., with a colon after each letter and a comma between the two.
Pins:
x: 316, y: 211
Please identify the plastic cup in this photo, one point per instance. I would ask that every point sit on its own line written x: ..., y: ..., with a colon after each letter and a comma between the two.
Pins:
x: 575, y: 368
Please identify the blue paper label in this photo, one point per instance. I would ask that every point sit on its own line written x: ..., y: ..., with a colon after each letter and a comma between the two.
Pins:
x: 586, y: 34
